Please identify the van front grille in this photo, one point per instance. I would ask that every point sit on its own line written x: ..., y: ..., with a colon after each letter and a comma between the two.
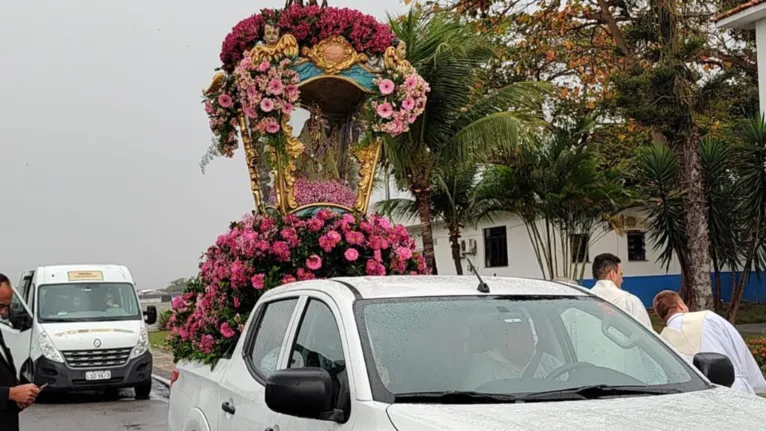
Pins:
x: 102, y: 358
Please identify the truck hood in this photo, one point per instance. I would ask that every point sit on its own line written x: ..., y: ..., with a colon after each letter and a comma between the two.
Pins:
x: 83, y: 335
x: 707, y: 410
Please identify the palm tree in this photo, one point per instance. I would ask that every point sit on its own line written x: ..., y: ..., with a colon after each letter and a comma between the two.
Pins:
x: 451, y: 200
x: 657, y: 170
x: 458, y: 125
x: 557, y: 186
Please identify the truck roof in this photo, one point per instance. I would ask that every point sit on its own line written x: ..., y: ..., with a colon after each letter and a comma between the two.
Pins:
x: 82, y: 273
x: 432, y: 286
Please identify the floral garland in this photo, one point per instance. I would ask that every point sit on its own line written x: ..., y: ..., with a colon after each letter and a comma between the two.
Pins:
x: 269, y: 90
x: 402, y: 99
x: 259, y: 253
x: 221, y: 106
x: 309, y: 25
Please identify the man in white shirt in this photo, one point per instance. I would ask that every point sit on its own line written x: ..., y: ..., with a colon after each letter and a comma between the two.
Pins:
x: 607, y: 270
x: 706, y: 331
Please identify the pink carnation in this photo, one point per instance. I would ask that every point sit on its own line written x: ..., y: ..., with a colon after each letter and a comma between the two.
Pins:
x: 257, y: 281
x: 272, y: 127
x: 226, y: 330
x: 384, y: 110
x: 264, y: 66
x: 314, y: 262
x: 287, y: 279
x: 225, y: 101
x: 351, y: 255
x: 275, y: 87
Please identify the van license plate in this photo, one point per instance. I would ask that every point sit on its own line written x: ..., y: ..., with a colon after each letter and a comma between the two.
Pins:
x: 98, y: 375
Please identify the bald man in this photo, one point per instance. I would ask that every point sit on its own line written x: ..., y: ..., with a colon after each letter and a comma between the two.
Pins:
x: 706, y: 331
x: 13, y: 397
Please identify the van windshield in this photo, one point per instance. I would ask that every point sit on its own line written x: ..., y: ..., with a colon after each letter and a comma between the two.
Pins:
x: 85, y: 302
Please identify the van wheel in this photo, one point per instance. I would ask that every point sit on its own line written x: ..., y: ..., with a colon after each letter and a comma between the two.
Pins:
x: 143, y: 391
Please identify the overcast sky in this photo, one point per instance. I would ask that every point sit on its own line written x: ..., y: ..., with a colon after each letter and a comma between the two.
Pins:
x: 102, y: 131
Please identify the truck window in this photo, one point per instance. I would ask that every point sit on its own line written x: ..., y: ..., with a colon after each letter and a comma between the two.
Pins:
x: 318, y: 345
x: 269, y: 330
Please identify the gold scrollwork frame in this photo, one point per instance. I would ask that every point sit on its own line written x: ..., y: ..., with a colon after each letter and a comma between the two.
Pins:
x: 347, y: 57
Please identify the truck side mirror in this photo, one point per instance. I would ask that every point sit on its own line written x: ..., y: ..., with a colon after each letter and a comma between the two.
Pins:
x: 716, y: 367
x: 302, y: 392
x: 150, y: 315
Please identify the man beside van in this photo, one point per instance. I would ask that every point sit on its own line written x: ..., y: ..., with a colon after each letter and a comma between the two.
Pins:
x: 607, y: 270
x: 13, y: 397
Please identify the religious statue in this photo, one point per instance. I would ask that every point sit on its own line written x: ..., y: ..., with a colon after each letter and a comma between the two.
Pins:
x: 274, y: 46
x: 396, y: 56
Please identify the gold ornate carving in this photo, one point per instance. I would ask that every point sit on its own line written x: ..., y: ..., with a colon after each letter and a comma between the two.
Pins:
x: 275, y: 46
x: 253, y: 161
x: 216, y: 82
x: 293, y: 149
x: 333, y: 55
x: 368, y: 157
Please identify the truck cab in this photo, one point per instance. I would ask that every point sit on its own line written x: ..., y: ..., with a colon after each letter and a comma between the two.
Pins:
x: 80, y: 327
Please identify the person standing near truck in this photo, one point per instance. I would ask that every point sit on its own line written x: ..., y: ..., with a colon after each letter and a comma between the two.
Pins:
x: 13, y: 397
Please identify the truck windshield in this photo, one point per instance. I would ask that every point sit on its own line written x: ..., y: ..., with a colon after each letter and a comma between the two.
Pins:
x: 426, y: 349
x: 83, y: 302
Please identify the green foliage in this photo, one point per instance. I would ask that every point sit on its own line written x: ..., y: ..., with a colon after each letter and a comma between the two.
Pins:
x: 162, y: 319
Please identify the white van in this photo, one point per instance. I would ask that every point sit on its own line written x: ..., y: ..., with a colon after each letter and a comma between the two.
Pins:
x: 80, y: 327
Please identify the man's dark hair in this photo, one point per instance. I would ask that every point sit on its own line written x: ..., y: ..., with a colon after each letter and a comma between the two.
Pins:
x: 603, y: 263
x: 4, y: 280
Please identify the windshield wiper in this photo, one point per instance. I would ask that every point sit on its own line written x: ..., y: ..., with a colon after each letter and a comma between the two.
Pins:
x: 594, y: 392
x: 454, y: 397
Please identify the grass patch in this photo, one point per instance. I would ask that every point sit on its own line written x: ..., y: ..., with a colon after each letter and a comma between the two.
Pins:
x: 157, y: 338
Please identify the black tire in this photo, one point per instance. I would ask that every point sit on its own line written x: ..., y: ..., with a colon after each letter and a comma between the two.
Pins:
x: 143, y: 390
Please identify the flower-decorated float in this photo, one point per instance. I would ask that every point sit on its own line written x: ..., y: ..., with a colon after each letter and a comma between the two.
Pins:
x: 348, y: 76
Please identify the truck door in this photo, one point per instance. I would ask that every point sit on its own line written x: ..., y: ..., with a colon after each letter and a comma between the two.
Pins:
x: 242, y: 404
x: 17, y: 330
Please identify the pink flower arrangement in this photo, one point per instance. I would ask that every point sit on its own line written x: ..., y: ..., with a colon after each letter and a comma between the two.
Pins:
x: 208, y: 319
x: 330, y: 191
x: 220, y: 107
x: 401, y: 100
x: 309, y: 25
x: 269, y: 90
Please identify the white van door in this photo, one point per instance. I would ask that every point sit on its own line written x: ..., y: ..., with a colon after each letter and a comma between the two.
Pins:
x: 17, y: 330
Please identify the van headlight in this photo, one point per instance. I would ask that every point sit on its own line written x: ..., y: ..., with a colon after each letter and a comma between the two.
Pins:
x: 49, y: 350
x: 143, y: 344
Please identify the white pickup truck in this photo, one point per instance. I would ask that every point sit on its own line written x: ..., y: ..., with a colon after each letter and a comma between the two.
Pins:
x: 424, y: 353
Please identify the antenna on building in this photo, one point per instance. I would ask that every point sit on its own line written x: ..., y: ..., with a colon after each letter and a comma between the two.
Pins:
x: 483, y: 288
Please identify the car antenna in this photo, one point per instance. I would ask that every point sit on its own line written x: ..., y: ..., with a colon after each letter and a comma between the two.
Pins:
x: 483, y: 288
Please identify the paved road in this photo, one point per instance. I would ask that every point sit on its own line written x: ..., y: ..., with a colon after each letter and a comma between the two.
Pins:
x: 97, y: 411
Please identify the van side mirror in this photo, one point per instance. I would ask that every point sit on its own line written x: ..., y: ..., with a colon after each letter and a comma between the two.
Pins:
x: 20, y: 319
x: 716, y: 367
x: 302, y: 392
x: 150, y: 315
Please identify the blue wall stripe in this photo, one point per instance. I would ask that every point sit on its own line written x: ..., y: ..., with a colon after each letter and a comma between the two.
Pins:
x: 646, y: 286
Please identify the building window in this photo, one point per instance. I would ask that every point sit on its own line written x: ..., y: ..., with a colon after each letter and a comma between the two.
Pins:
x: 495, y: 247
x: 578, y: 243
x: 636, y: 246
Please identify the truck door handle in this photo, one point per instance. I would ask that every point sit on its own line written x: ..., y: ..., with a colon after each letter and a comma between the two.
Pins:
x: 228, y: 408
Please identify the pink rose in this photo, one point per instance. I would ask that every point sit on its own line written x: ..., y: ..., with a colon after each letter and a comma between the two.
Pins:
x: 386, y: 87
x: 272, y: 127
x: 257, y: 281
x: 287, y: 279
x: 225, y: 101
x: 178, y: 302
x: 264, y: 66
x: 267, y: 105
x: 384, y: 110
x: 403, y: 253
x: 351, y: 254
x: 226, y: 330
x: 314, y: 262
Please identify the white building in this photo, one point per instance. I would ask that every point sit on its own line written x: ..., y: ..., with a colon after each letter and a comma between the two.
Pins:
x: 751, y: 15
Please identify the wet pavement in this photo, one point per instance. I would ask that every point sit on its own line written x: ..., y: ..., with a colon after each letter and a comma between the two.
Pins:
x: 99, y: 411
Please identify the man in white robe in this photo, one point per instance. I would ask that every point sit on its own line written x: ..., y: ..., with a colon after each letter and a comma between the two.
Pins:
x: 607, y: 270
x: 706, y: 331
x: 507, y: 353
